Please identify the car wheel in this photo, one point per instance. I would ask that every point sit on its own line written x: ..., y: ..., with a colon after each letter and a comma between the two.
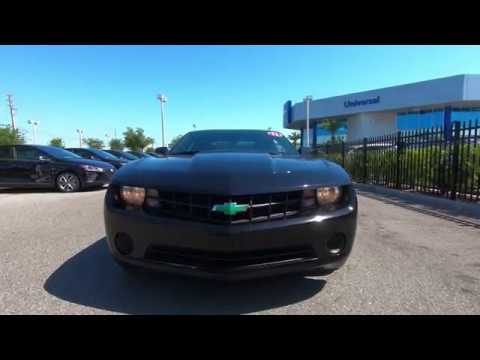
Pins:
x: 68, y: 182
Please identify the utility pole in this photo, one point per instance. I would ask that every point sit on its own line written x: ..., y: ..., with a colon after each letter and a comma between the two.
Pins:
x: 12, y: 110
x: 307, y: 100
x: 80, y: 136
x: 34, y: 128
x: 163, y: 100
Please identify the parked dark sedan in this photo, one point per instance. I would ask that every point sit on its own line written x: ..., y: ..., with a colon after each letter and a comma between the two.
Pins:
x: 122, y: 155
x: 36, y: 166
x: 99, y: 155
x: 154, y: 154
x: 231, y: 204
x: 139, y: 154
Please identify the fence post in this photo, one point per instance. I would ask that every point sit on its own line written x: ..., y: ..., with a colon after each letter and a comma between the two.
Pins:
x: 364, y: 160
x: 343, y: 154
x: 455, y: 162
x: 399, y: 149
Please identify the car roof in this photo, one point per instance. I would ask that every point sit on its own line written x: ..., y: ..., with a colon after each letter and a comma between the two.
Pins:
x: 74, y: 148
x: 29, y: 145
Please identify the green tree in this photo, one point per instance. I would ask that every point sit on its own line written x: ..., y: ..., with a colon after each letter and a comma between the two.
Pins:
x: 94, y: 143
x: 58, y: 142
x: 294, y: 137
x: 8, y: 136
x: 332, y: 126
x: 175, y: 140
x: 136, y: 140
x: 116, y: 144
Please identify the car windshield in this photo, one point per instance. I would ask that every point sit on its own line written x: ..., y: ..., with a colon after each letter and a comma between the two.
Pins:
x: 254, y: 141
x: 103, y: 154
x: 60, y: 153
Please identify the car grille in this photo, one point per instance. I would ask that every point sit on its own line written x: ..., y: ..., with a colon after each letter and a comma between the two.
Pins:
x: 199, y: 207
x: 209, y: 259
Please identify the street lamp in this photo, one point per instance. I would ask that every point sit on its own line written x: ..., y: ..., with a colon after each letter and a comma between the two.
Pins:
x: 80, y: 136
x: 307, y: 101
x: 34, y: 128
x: 163, y: 100
x: 107, y: 136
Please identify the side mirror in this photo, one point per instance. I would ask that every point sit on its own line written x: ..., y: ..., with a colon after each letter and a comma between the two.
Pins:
x: 43, y: 158
x: 161, y: 151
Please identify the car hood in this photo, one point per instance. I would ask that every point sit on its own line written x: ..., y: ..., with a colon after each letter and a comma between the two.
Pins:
x: 231, y: 173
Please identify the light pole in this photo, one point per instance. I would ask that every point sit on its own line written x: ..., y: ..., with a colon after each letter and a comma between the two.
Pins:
x: 163, y: 100
x: 34, y: 128
x: 307, y: 100
x: 80, y: 136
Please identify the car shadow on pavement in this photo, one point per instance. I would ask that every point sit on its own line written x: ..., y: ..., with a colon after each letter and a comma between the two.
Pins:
x: 91, y: 278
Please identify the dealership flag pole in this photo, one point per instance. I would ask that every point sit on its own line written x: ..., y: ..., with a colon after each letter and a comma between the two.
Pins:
x: 163, y: 100
x: 307, y: 100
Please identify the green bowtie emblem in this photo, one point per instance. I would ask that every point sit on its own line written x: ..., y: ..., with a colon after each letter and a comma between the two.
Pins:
x: 230, y: 208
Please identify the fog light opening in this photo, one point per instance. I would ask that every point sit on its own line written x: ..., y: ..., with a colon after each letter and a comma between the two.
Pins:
x: 336, y: 244
x: 124, y: 244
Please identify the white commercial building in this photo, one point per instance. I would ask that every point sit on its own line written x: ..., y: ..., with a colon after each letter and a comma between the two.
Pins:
x: 424, y: 104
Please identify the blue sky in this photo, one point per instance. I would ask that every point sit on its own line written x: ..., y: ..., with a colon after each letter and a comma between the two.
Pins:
x: 103, y: 88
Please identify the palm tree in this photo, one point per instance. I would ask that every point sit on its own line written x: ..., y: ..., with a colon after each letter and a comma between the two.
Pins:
x: 294, y: 137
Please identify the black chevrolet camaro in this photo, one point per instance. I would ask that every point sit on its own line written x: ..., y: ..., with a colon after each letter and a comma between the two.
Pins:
x: 231, y: 204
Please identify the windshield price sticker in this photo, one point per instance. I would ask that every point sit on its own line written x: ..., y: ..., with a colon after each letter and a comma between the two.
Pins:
x: 274, y: 133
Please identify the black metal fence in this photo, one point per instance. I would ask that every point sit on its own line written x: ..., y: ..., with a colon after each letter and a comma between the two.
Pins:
x: 434, y: 161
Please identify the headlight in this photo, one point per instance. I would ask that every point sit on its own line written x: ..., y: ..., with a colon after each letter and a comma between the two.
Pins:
x: 328, y: 195
x: 92, y: 168
x: 132, y: 195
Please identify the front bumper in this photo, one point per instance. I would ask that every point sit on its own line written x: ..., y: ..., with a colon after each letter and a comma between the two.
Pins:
x: 92, y: 179
x: 235, y: 252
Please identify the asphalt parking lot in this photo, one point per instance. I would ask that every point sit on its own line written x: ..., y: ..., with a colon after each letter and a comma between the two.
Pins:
x: 54, y: 260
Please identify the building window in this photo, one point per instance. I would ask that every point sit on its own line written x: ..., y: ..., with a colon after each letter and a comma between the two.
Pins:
x: 435, y: 118
x: 420, y: 120
x: 466, y: 115
x: 324, y: 130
